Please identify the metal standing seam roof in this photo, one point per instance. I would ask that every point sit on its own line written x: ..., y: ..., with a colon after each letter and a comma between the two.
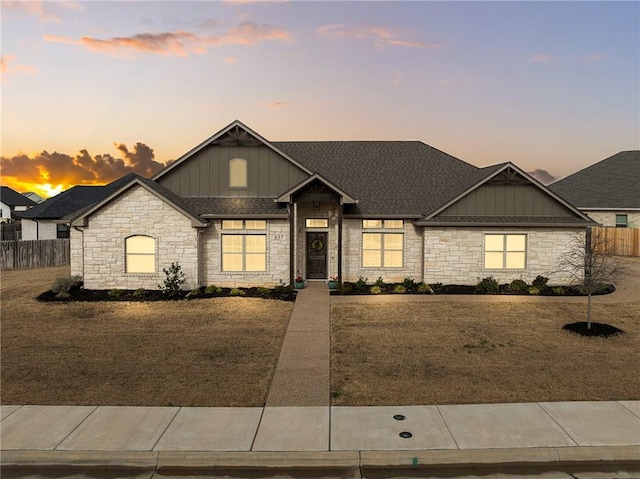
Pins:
x: 612, y: 183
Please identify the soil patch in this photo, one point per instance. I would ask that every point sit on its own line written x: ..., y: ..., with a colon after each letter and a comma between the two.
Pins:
x: 597, y: 329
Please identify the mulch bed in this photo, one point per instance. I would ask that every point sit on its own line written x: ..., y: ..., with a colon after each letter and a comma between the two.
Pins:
x: 597, y: 329
x: 279, y: 293
x: 352, y: 289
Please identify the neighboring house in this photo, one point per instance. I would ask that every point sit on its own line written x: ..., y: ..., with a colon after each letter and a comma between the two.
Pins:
x: 607, y: 191
x: 238, y: 210
x: 35, y: 197
x: 50, y: 219
x: 12, y: 204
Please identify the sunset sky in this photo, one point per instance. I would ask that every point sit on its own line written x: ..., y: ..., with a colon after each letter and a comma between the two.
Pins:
x: 93, y: 90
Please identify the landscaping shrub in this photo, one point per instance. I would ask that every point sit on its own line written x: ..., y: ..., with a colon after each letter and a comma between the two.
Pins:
x: 518, y: 286
x: 264, y: 292
x: 115, y: 293
x: 375, y: 289
x: 424, y: 288
x: 360, y: 286
x: 140, y: 293
x: 409, y: 284
x: 487, y: 286
x: 379, y: 283
x: 194, y: 293
x: 399, y: 289
x: 540, y: 283
x: 346, y: 288
x: 237, y: 292
x: 174, y: 279
x: 67, y: 284
x: 212, y: 289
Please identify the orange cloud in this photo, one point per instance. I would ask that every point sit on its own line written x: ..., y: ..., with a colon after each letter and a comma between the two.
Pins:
x: 178, y: 43
x: 379, y: 35
x: 59, y: 170
x: 7, y: 67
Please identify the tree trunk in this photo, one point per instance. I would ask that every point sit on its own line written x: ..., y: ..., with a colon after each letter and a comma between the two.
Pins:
x: 589, y: 310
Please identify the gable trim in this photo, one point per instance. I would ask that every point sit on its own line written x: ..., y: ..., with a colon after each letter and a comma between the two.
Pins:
x: 219, y: 134
x: 82, y: 220
x: 287, y: 196
x: 425, y: 221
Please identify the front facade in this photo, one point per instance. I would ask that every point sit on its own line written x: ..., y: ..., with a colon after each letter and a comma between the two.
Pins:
x: 238, y: 210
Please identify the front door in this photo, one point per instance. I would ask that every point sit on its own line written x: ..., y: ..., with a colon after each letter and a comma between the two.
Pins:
x: 316, y: 255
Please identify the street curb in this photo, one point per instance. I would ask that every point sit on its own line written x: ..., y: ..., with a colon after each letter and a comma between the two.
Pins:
x: 343, y: 463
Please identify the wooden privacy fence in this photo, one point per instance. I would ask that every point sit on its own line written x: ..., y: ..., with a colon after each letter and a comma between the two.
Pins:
x: 619, y: 241
x: 34, y: 254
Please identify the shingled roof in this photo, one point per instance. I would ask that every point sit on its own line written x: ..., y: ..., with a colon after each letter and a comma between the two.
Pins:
x: 74, y: 199
x: 407, y: 178
x: 11, y: 197
x: 609, y: 184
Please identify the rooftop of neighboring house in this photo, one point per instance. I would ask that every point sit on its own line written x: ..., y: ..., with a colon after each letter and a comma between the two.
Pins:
x: 12, y: 198
x: 74, y: 199
x: 612, y: 183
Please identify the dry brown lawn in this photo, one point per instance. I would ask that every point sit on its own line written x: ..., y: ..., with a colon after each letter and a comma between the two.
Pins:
x: 460, y: 353
x: 206, y: 352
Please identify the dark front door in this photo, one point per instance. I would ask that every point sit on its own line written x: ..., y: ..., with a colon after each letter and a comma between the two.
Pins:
x: 316, y: 255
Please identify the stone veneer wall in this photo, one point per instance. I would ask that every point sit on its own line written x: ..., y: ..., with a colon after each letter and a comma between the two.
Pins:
x: 456, y: 255
x: 136, y: 212
x: 608, y: 218
x: 352, y: 254
x: 277, y: 258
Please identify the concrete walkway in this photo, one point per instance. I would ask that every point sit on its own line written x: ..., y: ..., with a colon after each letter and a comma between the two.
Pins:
x: 555, y: 436
x: 302, y: 373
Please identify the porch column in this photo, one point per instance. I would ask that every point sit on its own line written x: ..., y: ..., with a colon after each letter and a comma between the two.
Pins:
x: 340, y: 206
x: 292, y: 241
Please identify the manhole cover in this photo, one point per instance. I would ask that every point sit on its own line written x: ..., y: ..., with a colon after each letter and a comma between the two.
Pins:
x: 399, y: 417
x: 405, y: 435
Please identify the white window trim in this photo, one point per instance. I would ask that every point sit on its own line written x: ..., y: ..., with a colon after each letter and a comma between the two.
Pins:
x: 504, y: 250
x: 383, y: 232
x: 239, y: 161
x: 155, y: 257
x: 244, y: 234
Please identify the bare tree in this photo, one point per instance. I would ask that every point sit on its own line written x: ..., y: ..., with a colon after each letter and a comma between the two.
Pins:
x: 590, y: 263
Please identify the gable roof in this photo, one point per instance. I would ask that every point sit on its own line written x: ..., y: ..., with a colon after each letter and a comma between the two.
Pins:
x: 11, y: 197
x: 74, y: 199
x: 611, y: 183
x: 390, y: 178
x: 236, y: 130
x: 513, y: 173
x: 287, y: 196
x: 153, y: 187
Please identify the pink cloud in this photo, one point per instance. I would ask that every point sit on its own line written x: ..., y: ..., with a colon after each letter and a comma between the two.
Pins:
x: 177, y: 43
x: 594, y: 57
x: 379, y: 35
x: 44, y: 10
x: 8, y: 67
x: 539, y: 58
x: 230, y: 60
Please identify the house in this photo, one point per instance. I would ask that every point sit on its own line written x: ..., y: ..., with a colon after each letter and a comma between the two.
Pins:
x: 35, y: 197
x: 607, y: 191
x: 12, y: 202
x: 50, y: 219
x: 239, y: 210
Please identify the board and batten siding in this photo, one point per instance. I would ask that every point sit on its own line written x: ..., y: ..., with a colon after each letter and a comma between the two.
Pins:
x: 507, y: 200
x: 206, y: 173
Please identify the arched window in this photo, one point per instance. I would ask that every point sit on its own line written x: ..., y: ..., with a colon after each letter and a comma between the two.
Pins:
x: 238, y: 173
x: 140, y: 252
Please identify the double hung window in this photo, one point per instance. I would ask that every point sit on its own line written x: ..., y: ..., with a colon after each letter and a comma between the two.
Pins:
x: 505, y: 251
x: 382, y: 249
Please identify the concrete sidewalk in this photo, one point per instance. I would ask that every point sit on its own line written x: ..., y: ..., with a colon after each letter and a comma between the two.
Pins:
x: 553, y: 436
